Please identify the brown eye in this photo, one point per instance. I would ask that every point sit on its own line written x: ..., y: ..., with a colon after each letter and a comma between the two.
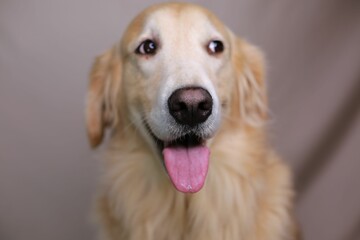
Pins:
x: 215, y: 47
x: 147, y: 47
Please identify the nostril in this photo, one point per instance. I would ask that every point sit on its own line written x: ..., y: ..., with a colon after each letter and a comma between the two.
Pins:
x: 205, y: 105
x: 177, y: 106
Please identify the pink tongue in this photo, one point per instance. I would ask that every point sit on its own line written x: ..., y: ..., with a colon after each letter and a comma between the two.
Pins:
x: 187, y: 167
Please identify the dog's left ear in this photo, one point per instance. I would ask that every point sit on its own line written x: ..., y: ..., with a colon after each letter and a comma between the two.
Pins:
x: 250, y: 97
x: 102, y: 97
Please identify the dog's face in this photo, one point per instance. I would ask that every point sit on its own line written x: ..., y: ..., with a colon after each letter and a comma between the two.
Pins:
x: 179, y: 57
x: 176, y: 75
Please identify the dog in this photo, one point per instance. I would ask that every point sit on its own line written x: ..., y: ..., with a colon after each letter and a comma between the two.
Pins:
x: 187, y: 156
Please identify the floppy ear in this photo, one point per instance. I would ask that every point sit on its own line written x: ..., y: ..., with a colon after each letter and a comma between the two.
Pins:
x: 101, y: 109
x: 251, y: 101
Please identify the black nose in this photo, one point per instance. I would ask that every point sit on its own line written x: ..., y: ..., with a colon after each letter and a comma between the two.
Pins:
x: 190, y: 106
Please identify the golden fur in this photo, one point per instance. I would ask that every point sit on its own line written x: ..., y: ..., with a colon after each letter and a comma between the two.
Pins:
x: 248, y: 192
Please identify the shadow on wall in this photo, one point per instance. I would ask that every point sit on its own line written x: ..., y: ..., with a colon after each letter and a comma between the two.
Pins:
x: 321, y: 153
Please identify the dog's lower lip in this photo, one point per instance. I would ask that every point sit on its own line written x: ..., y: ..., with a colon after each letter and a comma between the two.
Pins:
x: 187, y: 140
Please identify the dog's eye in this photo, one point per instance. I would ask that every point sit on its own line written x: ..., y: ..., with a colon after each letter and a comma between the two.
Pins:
x: 215, y: 47
x: 147, y: 47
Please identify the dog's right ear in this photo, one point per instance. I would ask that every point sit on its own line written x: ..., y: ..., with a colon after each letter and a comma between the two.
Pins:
x: 102, y: 96
x: 250, y: 101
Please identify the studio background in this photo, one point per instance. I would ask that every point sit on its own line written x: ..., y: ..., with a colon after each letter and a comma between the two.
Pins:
x: 48, y: 173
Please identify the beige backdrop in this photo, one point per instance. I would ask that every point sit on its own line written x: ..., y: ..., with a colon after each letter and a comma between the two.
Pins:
x: 47, y: 171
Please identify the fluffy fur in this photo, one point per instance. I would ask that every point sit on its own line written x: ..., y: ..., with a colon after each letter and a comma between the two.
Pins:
x: 248, y: 192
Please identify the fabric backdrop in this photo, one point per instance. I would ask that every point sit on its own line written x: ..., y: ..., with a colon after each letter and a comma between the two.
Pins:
x: 47, y: 171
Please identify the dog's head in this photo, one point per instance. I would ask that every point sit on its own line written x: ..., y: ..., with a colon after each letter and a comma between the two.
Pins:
x: 176, y: 76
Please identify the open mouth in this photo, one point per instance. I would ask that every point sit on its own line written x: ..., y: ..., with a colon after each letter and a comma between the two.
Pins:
x: 186, y: 160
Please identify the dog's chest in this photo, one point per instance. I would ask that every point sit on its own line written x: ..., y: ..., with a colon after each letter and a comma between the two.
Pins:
x: 155, y: 210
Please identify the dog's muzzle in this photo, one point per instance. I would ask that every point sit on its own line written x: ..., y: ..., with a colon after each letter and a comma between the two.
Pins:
x: 186, y: 158
x: 188, y: 117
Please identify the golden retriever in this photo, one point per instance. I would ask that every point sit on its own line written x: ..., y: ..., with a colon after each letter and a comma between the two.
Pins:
x: 188, y: 157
